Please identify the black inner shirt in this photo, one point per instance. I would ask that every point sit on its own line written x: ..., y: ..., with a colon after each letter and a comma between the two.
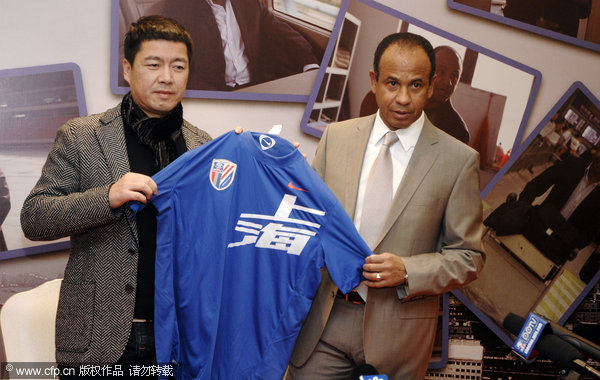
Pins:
x: 142, y: 160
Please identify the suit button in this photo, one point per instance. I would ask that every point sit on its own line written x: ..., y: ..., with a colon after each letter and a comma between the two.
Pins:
x: 131, y: 251
x: 129, y: 288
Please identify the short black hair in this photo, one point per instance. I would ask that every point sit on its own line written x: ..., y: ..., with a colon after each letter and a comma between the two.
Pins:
x: 404, y: 39
x: 155, y: 27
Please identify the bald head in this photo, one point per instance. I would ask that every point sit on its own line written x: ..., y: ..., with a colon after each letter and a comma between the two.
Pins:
x: 447, y: 73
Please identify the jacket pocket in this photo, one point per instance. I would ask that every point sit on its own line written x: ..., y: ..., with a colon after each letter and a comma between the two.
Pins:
x: 74, y: 317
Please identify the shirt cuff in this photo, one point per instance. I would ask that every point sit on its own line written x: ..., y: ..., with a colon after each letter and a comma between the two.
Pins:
x: 311, y: 66
x: 402, y: 291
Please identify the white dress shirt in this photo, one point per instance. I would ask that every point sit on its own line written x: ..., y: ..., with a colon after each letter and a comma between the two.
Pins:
x: 401, y: 153
x: 237, y: 71
x: 578, y: 195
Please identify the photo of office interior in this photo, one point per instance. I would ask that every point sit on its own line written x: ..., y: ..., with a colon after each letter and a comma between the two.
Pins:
x: 276, y: 50
x: 34, y: 103
x: 485, y: 104
x: 542, y: 230
x: 524, y: 98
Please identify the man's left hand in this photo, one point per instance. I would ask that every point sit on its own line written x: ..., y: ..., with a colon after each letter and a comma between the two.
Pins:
x: 384, y: 270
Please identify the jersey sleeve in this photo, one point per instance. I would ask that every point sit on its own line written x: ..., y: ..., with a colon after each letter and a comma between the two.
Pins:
x: 344, y: 250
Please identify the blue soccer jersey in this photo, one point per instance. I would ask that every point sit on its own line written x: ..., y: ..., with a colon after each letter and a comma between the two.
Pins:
x: 244, y: 226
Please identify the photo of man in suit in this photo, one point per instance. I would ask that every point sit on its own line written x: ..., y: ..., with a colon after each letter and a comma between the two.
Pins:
x: 439, y: 109
x: 426, y: 231
x: 575, y: 194
x: 238, y: 43
x: 99, y: 163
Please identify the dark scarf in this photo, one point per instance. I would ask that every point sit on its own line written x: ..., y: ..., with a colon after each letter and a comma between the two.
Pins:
x: 158, y: 133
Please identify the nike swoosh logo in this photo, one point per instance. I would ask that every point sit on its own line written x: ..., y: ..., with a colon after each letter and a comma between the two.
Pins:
x: 291, y: 186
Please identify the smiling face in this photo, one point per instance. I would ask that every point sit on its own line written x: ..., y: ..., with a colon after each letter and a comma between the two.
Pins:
x: 403, y: 86
x: 158, y: 76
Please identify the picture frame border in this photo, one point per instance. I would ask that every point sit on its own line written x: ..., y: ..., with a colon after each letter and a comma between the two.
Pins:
x: 81, y: 103
x: 537, y: 75
x: 523, y: 26
x: 202, y: 94
x: 513, y: 158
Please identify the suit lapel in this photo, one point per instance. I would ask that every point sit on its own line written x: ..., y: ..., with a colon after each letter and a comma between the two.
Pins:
x: 356, y: 147
x: 421, y: 161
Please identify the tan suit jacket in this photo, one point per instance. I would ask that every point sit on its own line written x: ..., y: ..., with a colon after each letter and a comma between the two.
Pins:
x: 434, y: 224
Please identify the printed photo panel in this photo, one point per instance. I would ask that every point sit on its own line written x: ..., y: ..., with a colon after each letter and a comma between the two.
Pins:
x: 576, y: 22
x: 489, y: 105
x: 34, y: 103
x: 283, y: 42
x: 542, y: 220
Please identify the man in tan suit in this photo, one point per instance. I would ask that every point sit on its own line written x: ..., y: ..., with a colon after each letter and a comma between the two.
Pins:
x: 429, y: 242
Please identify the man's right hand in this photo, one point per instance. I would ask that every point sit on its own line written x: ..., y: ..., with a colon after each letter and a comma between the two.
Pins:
x: 131, y: 187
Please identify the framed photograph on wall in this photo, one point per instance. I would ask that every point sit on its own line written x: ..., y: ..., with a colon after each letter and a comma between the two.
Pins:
x: 272, y: 52
x: 34, y: 103
x: 487, y: 106
x: 541, y: 243
x: 572, y: 21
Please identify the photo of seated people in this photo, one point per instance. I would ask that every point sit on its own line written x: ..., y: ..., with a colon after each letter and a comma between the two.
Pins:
x: 239, y: 45
x: 541, y: 218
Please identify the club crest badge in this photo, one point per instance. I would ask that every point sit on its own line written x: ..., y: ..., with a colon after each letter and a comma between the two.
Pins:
x: 222, y: 173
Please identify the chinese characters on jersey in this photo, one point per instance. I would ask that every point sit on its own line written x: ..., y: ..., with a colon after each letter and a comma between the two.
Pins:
x: 277, y: 234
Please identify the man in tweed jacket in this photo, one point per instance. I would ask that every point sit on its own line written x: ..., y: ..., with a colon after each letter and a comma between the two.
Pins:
x: 97, y: 165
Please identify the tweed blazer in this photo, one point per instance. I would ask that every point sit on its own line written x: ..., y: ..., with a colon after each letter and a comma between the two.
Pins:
x: 97, y: 294
x: 434, y: 223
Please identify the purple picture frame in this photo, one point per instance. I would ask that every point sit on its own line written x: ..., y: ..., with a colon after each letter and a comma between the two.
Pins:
x: 316, y: 128
x: 523, y: 25
x: 517, y: 162
x: 71, y: 98
x: 269, y: 92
